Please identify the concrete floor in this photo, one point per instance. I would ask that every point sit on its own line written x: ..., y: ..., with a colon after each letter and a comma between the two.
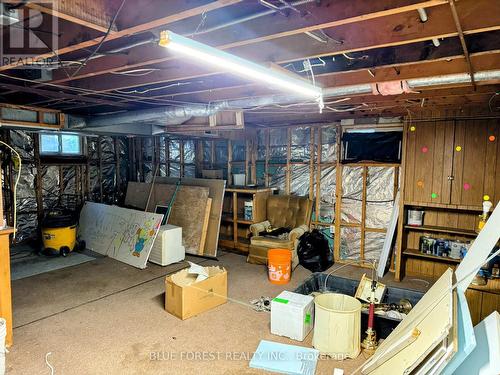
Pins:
x: 105, y: 317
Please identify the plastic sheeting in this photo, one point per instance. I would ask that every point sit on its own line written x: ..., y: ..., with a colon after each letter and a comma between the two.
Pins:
x: 189, y: 151
x: 207, y: 151
x: 239, y: 150
x: 327, y: 195
x: 27, y: 222
x: 174, y: 149
x: 373, y: 245
x: 278, y: 141
x: 352, y: 190
x: 379, y: 196
x: 69, y: 197
x: 350, y: 243
x: 328, y: 143
x: 277, y: 177
x: 220, y: 151
x: 300, y: 149
x: 299, y: 183
x: 50, y: 184
x: 261, y: 144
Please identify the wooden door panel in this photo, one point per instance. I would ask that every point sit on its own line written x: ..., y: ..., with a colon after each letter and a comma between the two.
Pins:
x: 474, y: 162
x: 429, y: 162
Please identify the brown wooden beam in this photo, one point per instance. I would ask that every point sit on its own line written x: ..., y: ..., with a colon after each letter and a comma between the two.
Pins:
x: 60, y: 95
x: 399, y: 29
x: 329, y: 14
x: 458, y: 25
x: 447, y: 65
x: 178, y: 10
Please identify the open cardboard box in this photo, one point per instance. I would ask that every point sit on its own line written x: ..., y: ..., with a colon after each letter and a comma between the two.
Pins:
x: 185, y: 297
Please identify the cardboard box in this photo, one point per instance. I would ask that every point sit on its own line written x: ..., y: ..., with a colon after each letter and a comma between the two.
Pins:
x: 212, y: 173
x: 292, y: 315
x: 185, y: 297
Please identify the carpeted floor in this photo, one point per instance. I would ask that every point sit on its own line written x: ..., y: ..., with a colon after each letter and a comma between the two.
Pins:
x: 105, y: 317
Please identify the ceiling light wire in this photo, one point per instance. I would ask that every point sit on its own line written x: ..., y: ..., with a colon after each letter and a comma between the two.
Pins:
x: 108, y: 31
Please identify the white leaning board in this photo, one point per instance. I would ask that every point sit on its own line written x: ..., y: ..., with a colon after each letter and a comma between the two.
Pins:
x: 386, y: 248
x: 167, y: 247
x: 120, y: 233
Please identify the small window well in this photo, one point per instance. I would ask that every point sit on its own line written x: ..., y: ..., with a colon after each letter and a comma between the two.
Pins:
x: 60, y: 144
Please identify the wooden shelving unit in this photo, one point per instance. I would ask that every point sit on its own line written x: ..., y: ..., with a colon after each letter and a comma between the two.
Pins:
x: 235, y: 233
x: 447, y: 170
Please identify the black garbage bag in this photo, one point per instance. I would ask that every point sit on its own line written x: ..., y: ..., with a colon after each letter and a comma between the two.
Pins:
x: 314, y: 252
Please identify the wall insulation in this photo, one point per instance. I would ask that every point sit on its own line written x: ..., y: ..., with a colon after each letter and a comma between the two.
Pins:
x: 102, y: 177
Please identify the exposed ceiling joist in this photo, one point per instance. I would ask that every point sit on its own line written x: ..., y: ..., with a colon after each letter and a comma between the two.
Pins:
x: 274, y: 26
x: 177, y: 12
x: 60, y: 95
x: 390, y: 31
x: 63, y: 14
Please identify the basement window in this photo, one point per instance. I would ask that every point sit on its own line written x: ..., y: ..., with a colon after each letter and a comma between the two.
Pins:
x: 60, y: 145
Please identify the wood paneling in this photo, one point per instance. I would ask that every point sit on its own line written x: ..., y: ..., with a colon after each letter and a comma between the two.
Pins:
x: 428, y: 162
x: 475, y: 165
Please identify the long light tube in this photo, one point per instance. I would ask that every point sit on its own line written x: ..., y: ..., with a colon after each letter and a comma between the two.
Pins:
x: 213, y: 56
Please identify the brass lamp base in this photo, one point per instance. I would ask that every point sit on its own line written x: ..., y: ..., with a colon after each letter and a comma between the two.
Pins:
x: 369, y: 344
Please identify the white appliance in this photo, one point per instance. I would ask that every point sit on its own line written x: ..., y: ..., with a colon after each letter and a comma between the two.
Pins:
x: 292, y: 315
x: 167, y: 248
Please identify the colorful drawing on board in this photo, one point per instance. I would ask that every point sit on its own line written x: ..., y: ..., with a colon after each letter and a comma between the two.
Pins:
x: 142, y: 236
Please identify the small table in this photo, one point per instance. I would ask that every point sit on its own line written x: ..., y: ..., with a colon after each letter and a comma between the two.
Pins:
x: 5, y: 290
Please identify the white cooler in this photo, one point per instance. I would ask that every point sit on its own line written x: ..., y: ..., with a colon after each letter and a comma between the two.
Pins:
x: 292, y: 315
x: 167, y: 248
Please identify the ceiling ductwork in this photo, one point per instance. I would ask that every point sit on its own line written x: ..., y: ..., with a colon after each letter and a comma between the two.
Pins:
x: 164, y: 116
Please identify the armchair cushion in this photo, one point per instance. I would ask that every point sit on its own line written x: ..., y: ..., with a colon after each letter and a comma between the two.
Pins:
x: 256, y: 228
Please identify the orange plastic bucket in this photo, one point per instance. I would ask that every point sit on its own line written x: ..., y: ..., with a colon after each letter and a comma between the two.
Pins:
x: 279, y: 265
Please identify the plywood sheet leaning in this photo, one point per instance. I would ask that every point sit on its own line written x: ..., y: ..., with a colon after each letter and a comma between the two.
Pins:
x: 216, y: 192
x: 120, y: 233
x: 205, y: 226
x: 426, y: 327
x: 188, y: 209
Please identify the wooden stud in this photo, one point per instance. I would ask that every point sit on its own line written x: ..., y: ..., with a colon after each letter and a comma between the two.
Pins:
x: 38, y: 179
x: 363, y: 214
x: 288, y: 170
x: 338, y: 192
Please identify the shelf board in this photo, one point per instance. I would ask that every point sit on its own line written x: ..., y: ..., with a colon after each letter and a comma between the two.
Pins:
x: 433, y: 228
x: 239, y: 220
x: 417, y: 254
x: 445, y: 206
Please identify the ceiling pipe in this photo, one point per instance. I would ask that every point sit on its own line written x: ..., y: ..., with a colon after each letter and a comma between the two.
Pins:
x: 164, y: 116
x: 423, y: 17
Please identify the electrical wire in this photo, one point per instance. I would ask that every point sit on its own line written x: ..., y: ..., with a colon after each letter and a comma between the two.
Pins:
x: 15, y: 184
x: 136, y: 72
x: 145, y: 91
x: 86, y: 92
x: 111, y: 24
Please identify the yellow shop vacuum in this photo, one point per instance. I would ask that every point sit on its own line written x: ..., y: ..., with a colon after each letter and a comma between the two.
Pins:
x: 59, y: 233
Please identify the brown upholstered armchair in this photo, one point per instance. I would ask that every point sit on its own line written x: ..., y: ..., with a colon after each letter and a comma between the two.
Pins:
x: 282, y: 211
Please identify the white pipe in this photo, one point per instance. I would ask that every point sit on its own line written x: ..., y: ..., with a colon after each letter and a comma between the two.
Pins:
x: 423, y: 14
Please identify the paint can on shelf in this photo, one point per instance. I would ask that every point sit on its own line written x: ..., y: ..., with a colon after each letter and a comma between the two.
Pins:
x: 248, y: 210
x: 416, y: 217
x: 441, y: 247
x: 456, y: 249
x: 426, y: 244
x: 465, y: 248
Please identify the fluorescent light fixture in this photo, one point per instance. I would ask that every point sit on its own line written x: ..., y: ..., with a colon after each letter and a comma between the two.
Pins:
x: 213, y: 56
